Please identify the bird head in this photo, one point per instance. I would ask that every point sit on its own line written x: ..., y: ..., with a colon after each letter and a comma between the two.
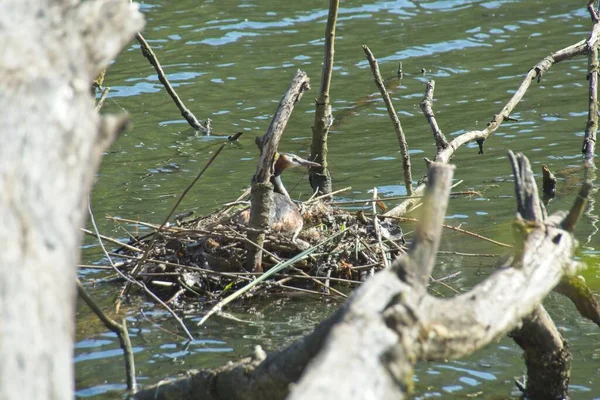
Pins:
x: 284, y: 161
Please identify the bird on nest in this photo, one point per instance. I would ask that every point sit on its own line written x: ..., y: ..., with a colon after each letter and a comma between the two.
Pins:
x: 284, y: 215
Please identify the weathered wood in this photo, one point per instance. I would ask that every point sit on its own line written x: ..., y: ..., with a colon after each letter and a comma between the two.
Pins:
x: 445, y: 154
x: 546, y: 355
x: 262, y: 189
x: 427, y: 107
x: 52, y: 142
x: 368, y: 348
x: 429, y: 230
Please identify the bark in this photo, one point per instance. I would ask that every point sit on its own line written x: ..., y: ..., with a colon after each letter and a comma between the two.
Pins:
x: 589, y: 140
x: 368, y: 348
x: 548, y: 183
x: 262, y: 189
x: 320, y: 179
x: 52, y: 141
x: 546, y: 355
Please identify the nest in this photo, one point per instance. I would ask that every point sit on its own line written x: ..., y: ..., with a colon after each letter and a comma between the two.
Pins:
x: 203, y: 258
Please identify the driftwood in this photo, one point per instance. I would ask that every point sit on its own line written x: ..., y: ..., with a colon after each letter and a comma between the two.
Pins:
x: 262, y: 189
x: 52, y: 143
x: 367, y: 349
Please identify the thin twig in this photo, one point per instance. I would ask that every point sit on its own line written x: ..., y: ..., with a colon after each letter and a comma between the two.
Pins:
x: 327, y: 195
x: 274, y: 270
x: 454, y: 228
x: 302, y: 290
x: 133, y: 281
x: 85, y: 266
x: 158, y: 326
x: 241, y: 275
x: 392, y: 198
x: 150, y: 245
x: 457, y: 253
x: 111, y: 240
x: 102, y: 99
x: 323, y: 278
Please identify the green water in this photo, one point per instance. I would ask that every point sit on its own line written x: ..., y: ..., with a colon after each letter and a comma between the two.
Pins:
x: 232, y: 61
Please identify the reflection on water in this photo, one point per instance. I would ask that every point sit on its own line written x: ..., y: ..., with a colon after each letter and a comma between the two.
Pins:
x: 231, y: 61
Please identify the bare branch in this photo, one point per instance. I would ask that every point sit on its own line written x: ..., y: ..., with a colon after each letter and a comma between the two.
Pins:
x: 427, y: 107
x: 262, y: 189
x: 395, y: 120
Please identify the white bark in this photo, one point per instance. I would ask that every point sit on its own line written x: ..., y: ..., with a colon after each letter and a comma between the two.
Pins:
x: 51, y: 140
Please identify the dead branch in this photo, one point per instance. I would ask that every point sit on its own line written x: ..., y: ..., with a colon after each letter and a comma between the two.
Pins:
x: 262, y: 189
x: 185, y: 112
x: 427, y: 106
x: 320, y: 179
x: 367, y: 349
x: 395, y: 120
x: 536, y: 72
x: 589, y: 140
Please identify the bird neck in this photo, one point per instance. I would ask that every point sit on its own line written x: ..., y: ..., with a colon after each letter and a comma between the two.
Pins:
x: 278, y: 186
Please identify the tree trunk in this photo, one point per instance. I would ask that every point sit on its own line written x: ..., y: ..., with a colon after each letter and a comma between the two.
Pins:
x: 52, y: 141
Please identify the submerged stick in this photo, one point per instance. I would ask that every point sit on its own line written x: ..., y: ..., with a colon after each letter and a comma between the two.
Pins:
x: 119, y: 329
x: 395, y: 120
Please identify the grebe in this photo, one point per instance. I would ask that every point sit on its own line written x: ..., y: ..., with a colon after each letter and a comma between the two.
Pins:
x: 284, y: 216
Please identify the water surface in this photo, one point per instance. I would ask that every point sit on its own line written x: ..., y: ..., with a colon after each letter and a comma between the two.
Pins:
x: 231, y: 61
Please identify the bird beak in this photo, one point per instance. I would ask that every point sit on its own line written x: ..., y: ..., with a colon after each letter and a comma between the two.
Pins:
x: 306, y: 163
